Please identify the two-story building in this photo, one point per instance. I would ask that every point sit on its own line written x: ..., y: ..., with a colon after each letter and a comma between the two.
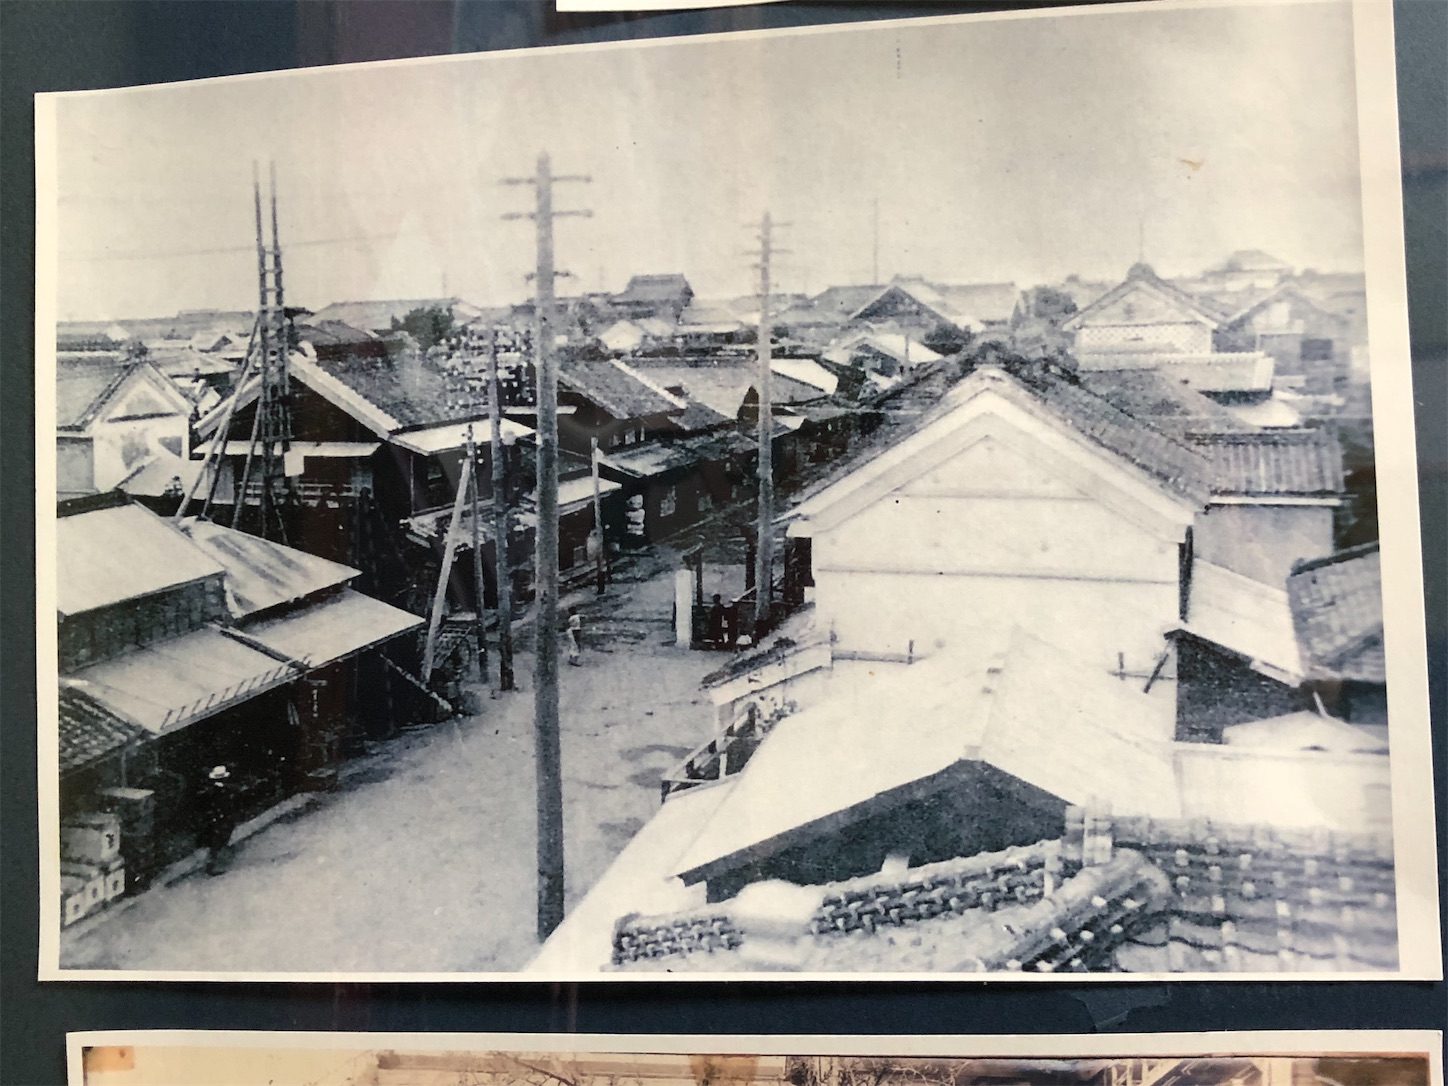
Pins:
x: 113, y: 415
x: 184, y: 646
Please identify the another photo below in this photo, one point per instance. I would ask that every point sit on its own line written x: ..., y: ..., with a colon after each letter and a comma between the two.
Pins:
x: 340, y: 1059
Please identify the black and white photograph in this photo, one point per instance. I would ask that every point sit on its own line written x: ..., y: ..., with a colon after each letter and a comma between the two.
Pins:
x: 908, y: 499
x: 240, y: 1058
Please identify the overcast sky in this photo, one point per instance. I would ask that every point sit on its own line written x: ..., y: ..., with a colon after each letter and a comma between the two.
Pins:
x: 1021, y: 149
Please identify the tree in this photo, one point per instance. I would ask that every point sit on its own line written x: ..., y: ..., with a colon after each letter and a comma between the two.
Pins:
x: 429, y: 325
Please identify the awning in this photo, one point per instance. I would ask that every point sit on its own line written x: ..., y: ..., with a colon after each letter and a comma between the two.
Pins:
x: 165, y: 686
x: 437, y: 439
x: 337, y: 450
x: 573, y: 493
x: 332, y: 629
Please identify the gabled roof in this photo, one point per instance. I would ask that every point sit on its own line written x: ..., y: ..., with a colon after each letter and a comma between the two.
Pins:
x: 1079, y: 736
x: 904, y: 349
x: 654, y: 288
x: 1174, y: 467
x: 1142, y: 278
x: 83, y: 383
x: 621, y: 390
x: 108, y: 555
x: 1253, y: 260
x: 87, y: 382
x: 1283, y: 291
x: 332, y: 333
x: 89, y: 731
x: 1337, y: 609
x: 721, y: 384
x: 374, y: 315
x: 1274, y: 463
x: 927, y: 296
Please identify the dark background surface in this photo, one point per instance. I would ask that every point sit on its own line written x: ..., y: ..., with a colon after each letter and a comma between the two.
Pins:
x: 59, y: 45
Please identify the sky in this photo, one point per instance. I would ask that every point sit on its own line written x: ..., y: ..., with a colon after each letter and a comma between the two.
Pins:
x: 1022, y: 149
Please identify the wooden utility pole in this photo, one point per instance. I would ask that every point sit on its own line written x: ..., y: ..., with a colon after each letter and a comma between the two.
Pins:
x: 503, y: 574
x: 482, y: 624
x: 439, y: 596
x: 545, y: 683
x: 764, y: 547
x: 598, y: 519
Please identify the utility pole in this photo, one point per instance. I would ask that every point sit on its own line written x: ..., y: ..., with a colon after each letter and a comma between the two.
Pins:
x: 598, y: 518
x: 502, y: 572
x: 272, y: 423
x: 764, y: 547
x: 482, y: 626
x: 545, y: 683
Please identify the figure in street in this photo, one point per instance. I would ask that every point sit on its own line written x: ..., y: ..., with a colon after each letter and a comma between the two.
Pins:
x: 218, y: 818
x: 575, y: 646
x: 715, y: 635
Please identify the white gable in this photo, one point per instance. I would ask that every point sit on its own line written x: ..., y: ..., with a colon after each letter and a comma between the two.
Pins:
x: 1142, y: 303
x: 1032, y: 447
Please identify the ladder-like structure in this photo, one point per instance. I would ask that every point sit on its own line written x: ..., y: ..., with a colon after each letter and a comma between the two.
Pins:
x: 271, y: 432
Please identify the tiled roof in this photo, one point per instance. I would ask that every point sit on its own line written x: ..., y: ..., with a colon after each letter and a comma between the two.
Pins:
x: 83, y: 382
x: 88, y: 731
x: 625, y: 393
x: 1274, y: 463
x: 332, y: 333
x: 1337, y: 609
x: 1183, y: 468
x: 654, y: 288
x: 408, y: 389
x: 1131, y: 894
x: 1170, y: 406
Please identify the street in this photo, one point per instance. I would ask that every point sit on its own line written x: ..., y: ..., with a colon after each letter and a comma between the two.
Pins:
x: 423, y: 859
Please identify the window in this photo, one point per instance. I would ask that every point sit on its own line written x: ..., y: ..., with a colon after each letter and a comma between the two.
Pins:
x: 668, y: 502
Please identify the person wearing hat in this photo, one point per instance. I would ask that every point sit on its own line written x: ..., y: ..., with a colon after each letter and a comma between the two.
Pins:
x: 218, y: 817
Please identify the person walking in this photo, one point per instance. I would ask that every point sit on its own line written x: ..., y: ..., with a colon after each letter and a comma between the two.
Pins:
x: 575, y: 645
x: 218, y: 818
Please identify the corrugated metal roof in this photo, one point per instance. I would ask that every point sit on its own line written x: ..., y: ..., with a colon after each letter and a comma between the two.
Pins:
x: 89, y: 731
x: 169, y: 684
x: 334, y: 628
x: 1274, y: 463
x: 1337, y: 610
x: 105, y: 556
x: 261, y: 574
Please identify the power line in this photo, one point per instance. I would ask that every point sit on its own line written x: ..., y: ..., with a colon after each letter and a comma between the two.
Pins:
x: 222, y: 250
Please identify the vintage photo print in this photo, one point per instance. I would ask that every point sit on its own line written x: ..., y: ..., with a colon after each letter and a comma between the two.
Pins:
x: 920, y: 498
x: 220, y: 1058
